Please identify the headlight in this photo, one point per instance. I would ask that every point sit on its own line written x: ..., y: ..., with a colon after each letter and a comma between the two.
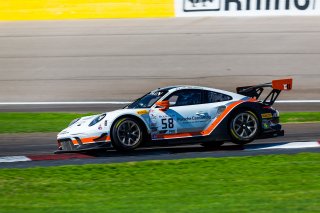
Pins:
x: 63, y: 132
x: 97, y: 119
x: 74, y: 121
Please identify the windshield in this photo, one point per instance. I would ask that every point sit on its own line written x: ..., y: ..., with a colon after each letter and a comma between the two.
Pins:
x: 147, y: 100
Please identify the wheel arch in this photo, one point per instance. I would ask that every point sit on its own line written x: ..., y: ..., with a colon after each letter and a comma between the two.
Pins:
x: 254, y: 107
x: 247, y: 106
x: 137, y: 118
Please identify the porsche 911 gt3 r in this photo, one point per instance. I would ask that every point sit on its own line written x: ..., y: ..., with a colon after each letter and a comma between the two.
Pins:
x: 180, y: 114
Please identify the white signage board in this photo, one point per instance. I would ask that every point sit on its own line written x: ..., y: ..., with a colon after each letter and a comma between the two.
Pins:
x: 192, y: 8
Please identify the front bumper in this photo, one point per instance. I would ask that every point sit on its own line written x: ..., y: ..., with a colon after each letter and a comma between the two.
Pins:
x: 77, y: 144
x: 271, y: 130
x: 67, y: 146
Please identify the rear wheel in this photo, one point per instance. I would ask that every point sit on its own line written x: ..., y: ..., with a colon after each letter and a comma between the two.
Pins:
x: 244, y: 127
x: 127, y: 134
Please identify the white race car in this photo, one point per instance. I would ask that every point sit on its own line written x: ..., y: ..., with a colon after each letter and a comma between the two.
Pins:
x: 180, y: 114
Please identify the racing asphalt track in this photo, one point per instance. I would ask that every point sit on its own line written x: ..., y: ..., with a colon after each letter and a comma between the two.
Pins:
x: 44, y: 144
x: 99, y: 60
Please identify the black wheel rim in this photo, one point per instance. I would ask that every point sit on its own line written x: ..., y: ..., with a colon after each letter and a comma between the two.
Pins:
x: 245, y: 125
x: 129, y: 133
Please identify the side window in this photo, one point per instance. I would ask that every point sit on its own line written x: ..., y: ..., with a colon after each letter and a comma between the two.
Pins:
x: 185, y: 97
x: 173, y: 100
x: 212, y: 97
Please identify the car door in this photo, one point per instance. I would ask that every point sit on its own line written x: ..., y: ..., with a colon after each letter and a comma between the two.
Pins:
x: 191, y: 110
x: 187, y: 113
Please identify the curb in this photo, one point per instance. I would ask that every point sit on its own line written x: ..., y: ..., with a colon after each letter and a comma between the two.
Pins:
x: 12, y: 159
x: 284, y: 145
x: 68, y: 156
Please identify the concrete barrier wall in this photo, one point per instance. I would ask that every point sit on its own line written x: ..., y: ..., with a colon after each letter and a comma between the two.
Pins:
x: 194, y: 8
x: 84, y: 9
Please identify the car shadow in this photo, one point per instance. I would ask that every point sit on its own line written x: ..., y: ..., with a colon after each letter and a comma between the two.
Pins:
x: 161, y: 150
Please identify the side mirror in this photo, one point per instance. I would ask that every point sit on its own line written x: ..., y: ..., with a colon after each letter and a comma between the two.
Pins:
x: 164, y: 105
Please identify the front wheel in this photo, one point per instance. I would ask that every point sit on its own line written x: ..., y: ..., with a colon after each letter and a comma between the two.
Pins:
x: 244, y: 127
x: 127, y: 134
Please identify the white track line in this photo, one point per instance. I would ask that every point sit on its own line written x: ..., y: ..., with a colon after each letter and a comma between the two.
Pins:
x: 10, y: 159
x: 291, y: 145
x: 119, y: 102
x: 298, y: 101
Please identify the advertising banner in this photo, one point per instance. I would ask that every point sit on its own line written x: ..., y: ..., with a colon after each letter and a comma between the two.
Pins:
x: 11, y: 10
x: 185, y: 8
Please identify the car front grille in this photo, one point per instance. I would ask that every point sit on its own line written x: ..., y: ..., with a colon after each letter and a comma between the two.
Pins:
x: 67, y: 145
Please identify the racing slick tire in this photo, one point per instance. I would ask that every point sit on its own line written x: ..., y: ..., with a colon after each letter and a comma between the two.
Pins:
x: 127, y: 134
x: 212, y: 145
x: 244, y: 127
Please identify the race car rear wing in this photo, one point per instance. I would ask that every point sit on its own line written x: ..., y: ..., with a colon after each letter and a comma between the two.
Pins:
x: 256, y: 90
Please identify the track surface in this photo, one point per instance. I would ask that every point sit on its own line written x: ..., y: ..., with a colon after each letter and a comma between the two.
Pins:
x: 39, y: 143
x: 122, y: 59
x: 26, y: 144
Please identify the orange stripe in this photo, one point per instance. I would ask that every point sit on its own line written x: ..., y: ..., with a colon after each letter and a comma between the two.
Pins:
x: 220, y: 118
x: 91, y: 139
x: 179, y: 135
x: 206, y: 131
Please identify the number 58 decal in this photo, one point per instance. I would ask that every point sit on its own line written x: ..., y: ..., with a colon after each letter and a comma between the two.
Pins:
x: 167, y: 123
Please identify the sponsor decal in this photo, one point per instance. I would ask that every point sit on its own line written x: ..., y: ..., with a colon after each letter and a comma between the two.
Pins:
x: 167, y: 116
x: 142, y: 112
x: 246, y: 7
x: 100, y: 127
x: 266, y: 115
x: 194, y: 118
x: 201, y: 5
x: 153, y: 120
x: 266, y: 124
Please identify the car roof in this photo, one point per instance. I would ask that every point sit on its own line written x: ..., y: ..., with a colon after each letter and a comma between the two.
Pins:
x: 179, y: 87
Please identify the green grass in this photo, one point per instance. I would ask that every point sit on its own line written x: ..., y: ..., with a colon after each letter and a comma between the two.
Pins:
x: 274, y: 183
x: 15, y: 122
x: 298, y: 117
